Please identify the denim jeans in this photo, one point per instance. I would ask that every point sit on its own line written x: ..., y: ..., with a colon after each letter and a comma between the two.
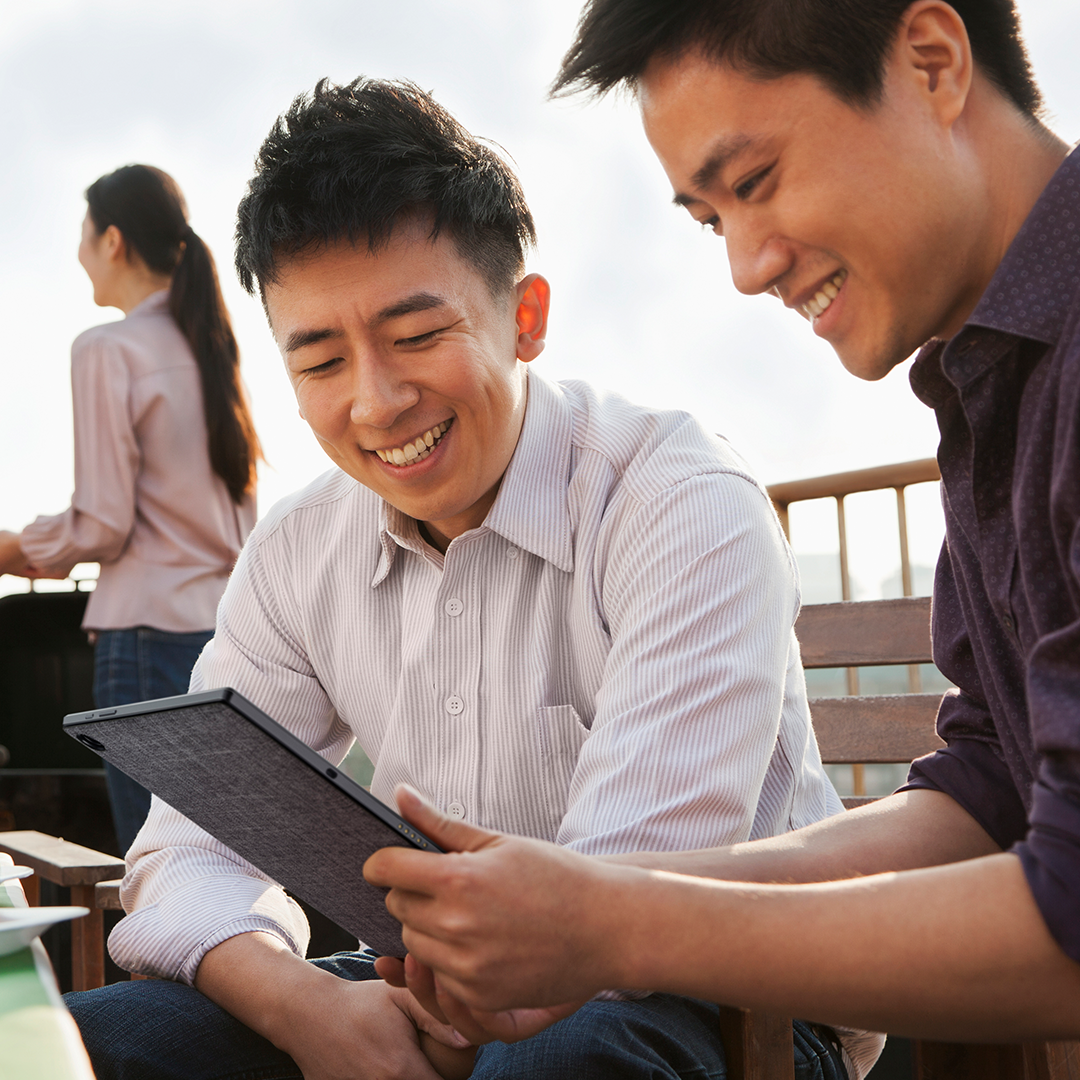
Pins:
x: 157, y: 1030
x: 139, y: 664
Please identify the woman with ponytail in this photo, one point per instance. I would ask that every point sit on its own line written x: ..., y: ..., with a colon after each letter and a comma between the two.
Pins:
x: 165, y: 454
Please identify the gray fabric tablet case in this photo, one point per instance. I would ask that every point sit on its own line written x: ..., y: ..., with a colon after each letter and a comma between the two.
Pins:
x: 242, y: 786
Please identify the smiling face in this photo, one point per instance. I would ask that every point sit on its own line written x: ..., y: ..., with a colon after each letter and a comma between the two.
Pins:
x: 866, y: 221
x: 96, y: 258
x: 409, y: 371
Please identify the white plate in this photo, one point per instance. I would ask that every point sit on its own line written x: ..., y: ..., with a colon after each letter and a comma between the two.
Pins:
x: 9, y: 872
x: 19, y: 926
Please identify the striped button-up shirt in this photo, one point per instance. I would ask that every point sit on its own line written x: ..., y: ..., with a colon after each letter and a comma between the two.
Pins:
x: 608, y: 662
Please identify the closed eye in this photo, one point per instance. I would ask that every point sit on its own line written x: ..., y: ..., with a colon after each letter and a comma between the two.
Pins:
x: 747, y: 187
x: 421, y: 339
x: 322, y: 368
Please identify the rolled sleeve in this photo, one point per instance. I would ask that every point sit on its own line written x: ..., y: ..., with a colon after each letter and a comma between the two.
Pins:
x: 1051, y: 853
x: 190, y: 894
x: 971, y: 769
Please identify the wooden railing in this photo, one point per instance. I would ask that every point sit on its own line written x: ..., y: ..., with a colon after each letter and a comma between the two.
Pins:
x: 838, y: 486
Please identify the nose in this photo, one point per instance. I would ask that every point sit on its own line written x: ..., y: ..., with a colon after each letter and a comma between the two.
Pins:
x: 758, y: 257
x: 381, y: 391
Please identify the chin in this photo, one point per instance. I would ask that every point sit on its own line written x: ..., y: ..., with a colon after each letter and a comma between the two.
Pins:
x: 872, y: 364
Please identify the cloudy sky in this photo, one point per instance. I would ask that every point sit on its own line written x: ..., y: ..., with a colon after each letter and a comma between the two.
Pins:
x: 642, y: 300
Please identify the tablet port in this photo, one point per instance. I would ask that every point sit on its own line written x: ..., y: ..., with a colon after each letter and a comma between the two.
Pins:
x: 332, y: 773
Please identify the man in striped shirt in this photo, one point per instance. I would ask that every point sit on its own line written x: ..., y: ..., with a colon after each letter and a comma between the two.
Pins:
x: 553, y: 612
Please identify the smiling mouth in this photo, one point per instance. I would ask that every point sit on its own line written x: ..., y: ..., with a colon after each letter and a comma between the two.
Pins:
x: 819, y: 303
x: 418, y: 449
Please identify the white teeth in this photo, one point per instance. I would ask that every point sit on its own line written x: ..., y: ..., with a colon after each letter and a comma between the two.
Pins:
x: 828, y: 292
x: 416, y: 450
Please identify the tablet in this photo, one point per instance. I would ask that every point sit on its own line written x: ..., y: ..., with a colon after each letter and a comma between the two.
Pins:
x: 258, y: 789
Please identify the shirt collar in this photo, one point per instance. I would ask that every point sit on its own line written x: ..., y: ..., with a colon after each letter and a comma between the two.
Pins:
x: 156, y: 301
x: 1033, y: 288
x: 531, y: 508
x: 1029, y: 295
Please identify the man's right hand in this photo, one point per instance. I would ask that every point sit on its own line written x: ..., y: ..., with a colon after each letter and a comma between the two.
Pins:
x: 332, y: 1028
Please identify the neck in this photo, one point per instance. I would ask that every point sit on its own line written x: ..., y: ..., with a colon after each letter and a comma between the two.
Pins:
x: 132, y: 291
x: 1015, y: 158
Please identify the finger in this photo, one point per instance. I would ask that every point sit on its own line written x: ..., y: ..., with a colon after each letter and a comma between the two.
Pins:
x: 403, y: 869
x: 423, y: 1021
x: 461, y: 1017
x: 391, y: 970
x: 513, y: 1025
x: 449, y: 833
x: 420, y: 980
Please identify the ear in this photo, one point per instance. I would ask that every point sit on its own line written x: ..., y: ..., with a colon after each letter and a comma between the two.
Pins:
x: 934, y: 47
x: 113, y: 245
x: 534, y: 298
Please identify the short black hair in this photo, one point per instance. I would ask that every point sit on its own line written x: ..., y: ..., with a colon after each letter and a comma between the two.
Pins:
x: 350, y: 162
x: 843, y: 42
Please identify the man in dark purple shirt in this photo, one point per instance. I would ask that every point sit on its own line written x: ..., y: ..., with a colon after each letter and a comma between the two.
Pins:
x: 1006, y: 621
x: 880, y: 166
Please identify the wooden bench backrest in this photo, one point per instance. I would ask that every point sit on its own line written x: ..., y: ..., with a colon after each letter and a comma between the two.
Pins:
x: 865, y: 728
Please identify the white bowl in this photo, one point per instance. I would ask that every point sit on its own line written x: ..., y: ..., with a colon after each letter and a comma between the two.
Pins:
x: 9, y: 872
x: 19, y: 926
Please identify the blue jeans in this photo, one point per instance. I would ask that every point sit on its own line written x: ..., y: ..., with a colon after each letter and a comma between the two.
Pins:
x: 157, y: 1030
x: 139, y: 664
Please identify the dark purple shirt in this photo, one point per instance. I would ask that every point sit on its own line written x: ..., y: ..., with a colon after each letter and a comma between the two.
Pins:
x: 1006, y: 613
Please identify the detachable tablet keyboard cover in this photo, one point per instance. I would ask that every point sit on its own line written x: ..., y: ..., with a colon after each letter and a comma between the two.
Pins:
x: 294, y: 820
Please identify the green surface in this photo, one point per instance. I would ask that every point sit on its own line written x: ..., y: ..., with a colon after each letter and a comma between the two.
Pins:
x: 20, y: 983
x: 38, y: 1039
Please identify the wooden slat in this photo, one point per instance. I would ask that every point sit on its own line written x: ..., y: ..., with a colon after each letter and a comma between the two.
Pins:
x: 847, y: 483
x: 853, y: 802
x: 59, y: 861
x: 1052, y: 1061
x: 875, y: 729
x: 867, y: 632
x: 757, y: 1044
x: 959, y: 1061
x: 107, y: 895
x: 87, y: 942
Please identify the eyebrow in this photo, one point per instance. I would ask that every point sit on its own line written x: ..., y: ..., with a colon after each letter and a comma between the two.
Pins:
x: 421, y: 301
x: 722, y: 154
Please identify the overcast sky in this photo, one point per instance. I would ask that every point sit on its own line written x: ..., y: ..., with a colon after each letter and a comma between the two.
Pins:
x: 642, y: 299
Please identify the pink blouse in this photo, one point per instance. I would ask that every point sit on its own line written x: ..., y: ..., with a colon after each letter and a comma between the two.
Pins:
x: 147, y: 505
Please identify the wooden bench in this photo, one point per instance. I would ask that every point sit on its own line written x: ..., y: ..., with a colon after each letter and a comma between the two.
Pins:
x: 78, y: 869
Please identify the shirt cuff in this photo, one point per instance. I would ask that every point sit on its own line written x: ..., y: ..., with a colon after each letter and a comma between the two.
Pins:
x: 168, y: 939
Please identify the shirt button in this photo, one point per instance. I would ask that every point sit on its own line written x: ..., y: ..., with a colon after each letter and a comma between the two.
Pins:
x: 512, y: 552
x: 454, y: 607
x: 454, y: 705
x: 456, y: 810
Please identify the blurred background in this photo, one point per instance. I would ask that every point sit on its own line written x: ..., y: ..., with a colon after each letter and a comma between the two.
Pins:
x: 642, y: 298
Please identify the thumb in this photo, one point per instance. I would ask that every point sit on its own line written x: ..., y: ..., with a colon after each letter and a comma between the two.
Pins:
x: 449, y: 833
